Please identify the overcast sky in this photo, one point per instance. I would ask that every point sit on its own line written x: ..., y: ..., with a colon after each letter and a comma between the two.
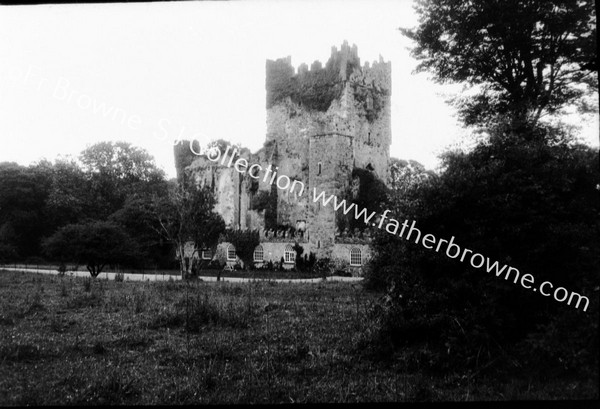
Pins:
x: 73, y: 75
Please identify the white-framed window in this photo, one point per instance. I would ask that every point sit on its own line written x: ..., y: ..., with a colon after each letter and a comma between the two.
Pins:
x: 259, y: 254
x: 231, y: 253
x: 355, y: 257
x: 289, y: 256
x: 206, y: 254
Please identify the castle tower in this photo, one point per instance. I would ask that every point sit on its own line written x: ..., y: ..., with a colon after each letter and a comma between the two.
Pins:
x: 323, y: 122
x: 326, y: 121
x: 330, y: 164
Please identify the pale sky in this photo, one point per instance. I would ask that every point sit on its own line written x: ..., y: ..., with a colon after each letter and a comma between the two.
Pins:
x: 73, y: 75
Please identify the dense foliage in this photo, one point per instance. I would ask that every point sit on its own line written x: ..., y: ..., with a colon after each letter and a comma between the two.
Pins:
x: 532, y: 206
x: 367, y: 191
x: 527, y: 196
x: 314, y: 89
x: 528, y: 58
x: 94, y: 244
x: 111, y: 182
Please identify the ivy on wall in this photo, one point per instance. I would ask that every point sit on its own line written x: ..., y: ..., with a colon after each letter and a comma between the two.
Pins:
x: 371, y: 195
x: 267, y: 201
x: 318, y: 88
x: 369, y: 99
x: 314, y: 89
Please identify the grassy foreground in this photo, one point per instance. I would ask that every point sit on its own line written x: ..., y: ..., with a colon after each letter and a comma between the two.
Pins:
x: 66, y: 340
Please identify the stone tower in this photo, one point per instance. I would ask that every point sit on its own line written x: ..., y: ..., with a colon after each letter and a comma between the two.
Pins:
x: 323, y: 122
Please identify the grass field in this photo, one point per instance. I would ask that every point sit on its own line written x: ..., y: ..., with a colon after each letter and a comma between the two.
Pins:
x: 66, y: 340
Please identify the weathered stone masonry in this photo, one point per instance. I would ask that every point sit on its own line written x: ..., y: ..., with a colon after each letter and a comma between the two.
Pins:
x: 322, y: 123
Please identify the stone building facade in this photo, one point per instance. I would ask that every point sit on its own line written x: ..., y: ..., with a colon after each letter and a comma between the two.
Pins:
x: 323, y: 122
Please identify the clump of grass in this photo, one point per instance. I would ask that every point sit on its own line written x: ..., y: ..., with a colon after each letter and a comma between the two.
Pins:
x: 20, y: 353
x: 63, y: 289
x: 87, y: 284
x: 84, y: 300
x: 112, y: 388
x: 231, y: 290
x: 56, y: 324
x: 193, y: 313
x: 139, y: 301
x: 11, y: 315
x: 98, y: 348
x: 36, y: 303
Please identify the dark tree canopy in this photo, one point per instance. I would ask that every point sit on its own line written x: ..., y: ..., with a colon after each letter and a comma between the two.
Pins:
x: 23, y: 194
x: 530, y: 57
x: 94, y: 244
x: 116, y: 170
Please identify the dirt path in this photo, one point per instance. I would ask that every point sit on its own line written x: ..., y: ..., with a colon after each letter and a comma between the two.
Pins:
x: 165, y: 277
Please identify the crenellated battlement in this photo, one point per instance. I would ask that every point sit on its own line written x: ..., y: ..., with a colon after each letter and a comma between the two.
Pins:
x: 316, y: 87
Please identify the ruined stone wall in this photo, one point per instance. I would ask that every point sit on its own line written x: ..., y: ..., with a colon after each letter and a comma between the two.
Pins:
x: 330, y: 169
x: 226, y: 184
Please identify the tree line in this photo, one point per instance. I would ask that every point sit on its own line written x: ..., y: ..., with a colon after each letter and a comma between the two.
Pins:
x: 112, y: 206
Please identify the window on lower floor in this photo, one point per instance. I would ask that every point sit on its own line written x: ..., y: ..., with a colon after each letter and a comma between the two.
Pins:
x: 289, y: 255
x: 231, y: 253
x: 355, y: 257
x: 259, y: 254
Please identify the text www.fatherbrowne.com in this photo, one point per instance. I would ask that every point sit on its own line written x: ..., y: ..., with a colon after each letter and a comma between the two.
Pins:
x: 452, y: 250
x: 408, y: 231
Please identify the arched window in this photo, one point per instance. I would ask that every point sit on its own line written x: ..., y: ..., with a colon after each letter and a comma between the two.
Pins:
x: 290, y: 255
x: 231, y: 253
x: 355, y: 257
x: 259, y: 254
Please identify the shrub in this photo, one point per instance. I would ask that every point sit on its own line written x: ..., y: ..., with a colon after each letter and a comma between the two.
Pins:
x: 119, y: 277
x: 216, y: 264
x: 341, y: 267
x: 63, y: 289
x: 324, y: 267
x: 527, y: 205
x: 62, y: 269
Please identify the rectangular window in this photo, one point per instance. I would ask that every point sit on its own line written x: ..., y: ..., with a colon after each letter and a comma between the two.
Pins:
x: 355, y: 257
x: 259, y: 254
x: 231, y: 253
x: 207, y: 255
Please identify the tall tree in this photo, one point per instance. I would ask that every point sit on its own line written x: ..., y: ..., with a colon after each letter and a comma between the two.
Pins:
x: 186, y: 214
x: 69, y: 197
x: 527, y: 57
x: 407, y: 174
x: 116, y: 170
x: 23, y: 193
